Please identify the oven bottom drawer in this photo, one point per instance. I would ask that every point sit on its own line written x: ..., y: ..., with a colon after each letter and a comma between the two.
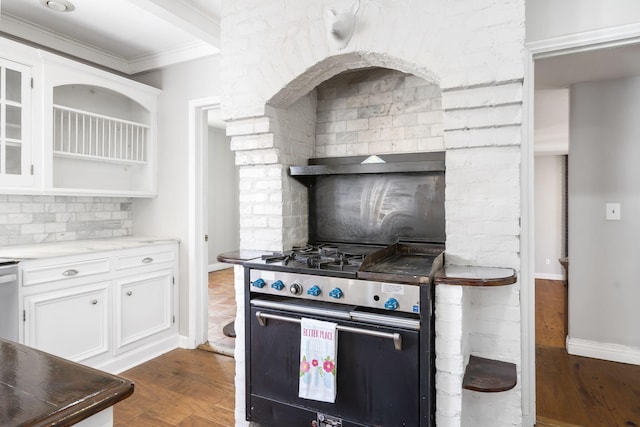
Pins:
x: 284, y: 415
x: 377, y: 385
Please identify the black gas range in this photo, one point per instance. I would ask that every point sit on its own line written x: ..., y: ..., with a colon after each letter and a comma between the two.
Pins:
x: 383, y: 277
x: 376, y: 228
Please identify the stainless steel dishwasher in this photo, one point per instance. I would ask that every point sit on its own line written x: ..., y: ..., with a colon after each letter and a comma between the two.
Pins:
x: 9, y: 300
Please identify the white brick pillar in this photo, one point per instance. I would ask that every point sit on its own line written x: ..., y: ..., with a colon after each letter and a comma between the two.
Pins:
x: 273, y: 206
x: 482, y: 129
x: 450, y: 360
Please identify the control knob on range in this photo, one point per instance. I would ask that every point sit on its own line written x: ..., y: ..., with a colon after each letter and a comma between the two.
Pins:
x: 391, y: 304
x: 314, y: 290
x: 295, y: 288
x: 336, y: 293
x: 278, y: 285
x: 258, y: 283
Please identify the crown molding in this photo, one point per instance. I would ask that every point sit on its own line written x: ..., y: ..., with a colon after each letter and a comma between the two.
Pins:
x: 59, y: 43
x: 169, y: 57
x: 585, y: 41
x: 44, y: 37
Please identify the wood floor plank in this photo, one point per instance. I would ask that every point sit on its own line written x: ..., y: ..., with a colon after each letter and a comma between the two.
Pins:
x: 180, y: 388
x: 550, y: 313
x: 573, y: 390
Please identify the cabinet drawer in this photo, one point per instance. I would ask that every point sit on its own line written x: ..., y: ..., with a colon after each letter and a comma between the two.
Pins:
x: 142, y: 259
x: 64, y: 271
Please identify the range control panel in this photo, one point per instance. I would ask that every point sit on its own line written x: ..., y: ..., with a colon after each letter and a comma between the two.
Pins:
x: 364, y: 293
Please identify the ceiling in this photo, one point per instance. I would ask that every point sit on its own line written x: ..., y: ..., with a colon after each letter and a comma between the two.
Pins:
x: 129, y: 36
x: 602, y: 64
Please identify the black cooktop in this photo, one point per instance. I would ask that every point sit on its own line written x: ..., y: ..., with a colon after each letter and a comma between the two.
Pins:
x: 400, y: 262
x: 322, y: 259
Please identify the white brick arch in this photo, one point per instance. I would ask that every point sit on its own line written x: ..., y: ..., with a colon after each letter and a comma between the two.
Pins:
x: 336, y: 64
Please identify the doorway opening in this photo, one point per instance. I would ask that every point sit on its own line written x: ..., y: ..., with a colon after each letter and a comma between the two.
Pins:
x: 581, y: 138
x: 223, y: 232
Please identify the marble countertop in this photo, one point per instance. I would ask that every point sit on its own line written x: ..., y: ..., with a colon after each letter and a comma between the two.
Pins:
x: 77, y: 247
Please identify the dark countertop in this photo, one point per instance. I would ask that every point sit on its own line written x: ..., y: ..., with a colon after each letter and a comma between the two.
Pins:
x: 238, y: 257
x: 463, y: 275
x: 39, y: 389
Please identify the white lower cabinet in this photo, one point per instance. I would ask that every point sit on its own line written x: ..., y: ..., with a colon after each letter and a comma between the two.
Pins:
x: 71, y: 323
x: 143, y: 307
x: 97, y: 310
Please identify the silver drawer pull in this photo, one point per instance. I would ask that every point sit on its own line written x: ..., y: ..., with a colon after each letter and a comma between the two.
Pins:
x: 70, y: 272
x: 147, y: 260
x: 94, y: 301
x: 396, y: 337
x: 129, y: 293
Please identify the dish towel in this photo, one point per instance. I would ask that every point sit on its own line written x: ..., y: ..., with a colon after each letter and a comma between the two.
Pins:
x: 318, y: 366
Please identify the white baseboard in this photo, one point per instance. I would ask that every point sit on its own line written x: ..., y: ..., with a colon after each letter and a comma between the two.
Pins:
x: 218, y: 266
x: 135, y: 357
x: 184, y: 342
x: 605, y: 351
x: 549, y: 276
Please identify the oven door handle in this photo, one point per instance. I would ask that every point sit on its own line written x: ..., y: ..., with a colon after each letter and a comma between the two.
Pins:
x: 396, y: 337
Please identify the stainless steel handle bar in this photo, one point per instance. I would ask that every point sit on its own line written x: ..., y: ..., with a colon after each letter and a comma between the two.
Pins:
x: 396, y: 337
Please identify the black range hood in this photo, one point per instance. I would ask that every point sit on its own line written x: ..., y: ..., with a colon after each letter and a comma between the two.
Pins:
x: 384, y: 163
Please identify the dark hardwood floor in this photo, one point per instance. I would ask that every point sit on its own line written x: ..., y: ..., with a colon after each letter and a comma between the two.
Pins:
x: 573, y: 390
x: 222, y: 310
x: 188, y: 388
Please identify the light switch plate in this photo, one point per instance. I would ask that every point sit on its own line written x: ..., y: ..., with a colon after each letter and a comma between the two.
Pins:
x: 613, y: 212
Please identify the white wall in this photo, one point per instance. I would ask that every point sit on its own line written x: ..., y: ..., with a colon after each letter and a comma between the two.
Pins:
x: 549, y: 226
x: 167, y: 214
x: 553, y: 18
x: 604, y: 267
x: 551, y: 121
x: 224, y: 227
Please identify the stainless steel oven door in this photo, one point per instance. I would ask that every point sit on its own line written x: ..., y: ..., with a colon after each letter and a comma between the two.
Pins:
x: 378, y: 367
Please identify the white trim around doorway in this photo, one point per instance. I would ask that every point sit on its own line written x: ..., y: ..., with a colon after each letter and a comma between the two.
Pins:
x: 198, y: 263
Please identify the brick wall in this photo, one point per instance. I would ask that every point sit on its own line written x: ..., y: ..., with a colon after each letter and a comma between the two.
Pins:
x: 36, y: 219
x: 378, y: 111
x: 278, y: 71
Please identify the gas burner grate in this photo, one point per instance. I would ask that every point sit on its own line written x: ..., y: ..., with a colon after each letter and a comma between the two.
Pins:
x: 320, y: 257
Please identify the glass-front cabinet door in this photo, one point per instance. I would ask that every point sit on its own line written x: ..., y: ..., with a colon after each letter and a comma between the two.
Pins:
x: 15, y: 114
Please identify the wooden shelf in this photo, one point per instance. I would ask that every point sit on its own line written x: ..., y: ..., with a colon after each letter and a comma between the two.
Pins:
x: 465, y: 275
x: 488, y: 375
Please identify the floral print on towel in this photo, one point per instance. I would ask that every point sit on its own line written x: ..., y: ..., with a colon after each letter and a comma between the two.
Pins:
x: 328, y: 366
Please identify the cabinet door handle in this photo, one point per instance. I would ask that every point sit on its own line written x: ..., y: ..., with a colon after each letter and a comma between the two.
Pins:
x: 147, y: 260
x: 94, y: 301
x: 129, y: 293
x: 70, y: 272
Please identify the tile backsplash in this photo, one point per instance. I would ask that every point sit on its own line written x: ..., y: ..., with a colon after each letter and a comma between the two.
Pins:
x: 37, y: 219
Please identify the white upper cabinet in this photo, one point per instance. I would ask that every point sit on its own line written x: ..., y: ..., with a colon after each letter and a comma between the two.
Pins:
x: 15, y: 113
x: 16, y: 116
x: 100, y: 131
x: 69, y: 128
